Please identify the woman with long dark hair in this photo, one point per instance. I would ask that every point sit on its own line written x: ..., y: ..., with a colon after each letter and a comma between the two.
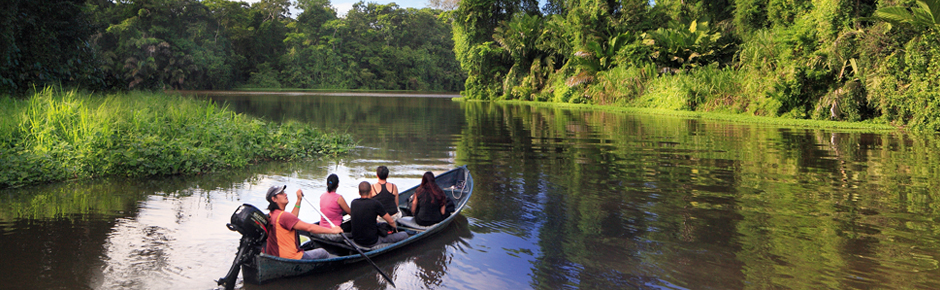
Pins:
x: 429, y: 203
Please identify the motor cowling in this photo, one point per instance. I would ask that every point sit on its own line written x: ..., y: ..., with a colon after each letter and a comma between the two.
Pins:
x: 250, y: 222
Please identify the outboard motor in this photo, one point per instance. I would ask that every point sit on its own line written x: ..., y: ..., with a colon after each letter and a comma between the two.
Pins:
x: 252, y: 224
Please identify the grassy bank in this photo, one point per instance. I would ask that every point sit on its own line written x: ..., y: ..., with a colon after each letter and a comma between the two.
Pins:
x: 58, y: 135
x: 268, y: 89
x: 866, y: 126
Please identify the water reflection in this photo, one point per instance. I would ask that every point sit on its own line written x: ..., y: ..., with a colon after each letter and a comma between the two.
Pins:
x: 52, y: 234
x: 564, y: 198
x: 646, y: 202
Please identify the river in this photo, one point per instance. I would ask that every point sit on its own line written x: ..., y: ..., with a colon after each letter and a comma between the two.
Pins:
x: 565, y: 198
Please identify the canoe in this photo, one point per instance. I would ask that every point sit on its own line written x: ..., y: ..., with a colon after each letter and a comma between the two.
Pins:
x: 457, y: 185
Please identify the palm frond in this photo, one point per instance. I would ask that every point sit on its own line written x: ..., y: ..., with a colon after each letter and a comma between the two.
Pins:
x: 926, y: 14
x: 932, y: 8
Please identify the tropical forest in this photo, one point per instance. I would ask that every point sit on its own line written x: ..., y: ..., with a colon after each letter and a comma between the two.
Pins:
x: 830, y: 60
x: 73, y: 71
x: 579, y: 144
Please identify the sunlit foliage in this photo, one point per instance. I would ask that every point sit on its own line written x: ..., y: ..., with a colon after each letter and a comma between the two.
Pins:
x: 56, y: 135
x: 804, y: 59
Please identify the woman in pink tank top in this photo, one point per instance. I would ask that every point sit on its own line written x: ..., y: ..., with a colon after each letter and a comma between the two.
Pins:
x: 332, y: 204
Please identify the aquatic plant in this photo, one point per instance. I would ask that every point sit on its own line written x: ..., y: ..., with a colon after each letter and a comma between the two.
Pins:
x: 56, y: 135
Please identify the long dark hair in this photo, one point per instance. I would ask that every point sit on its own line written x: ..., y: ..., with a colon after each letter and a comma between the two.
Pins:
x: 428, y: 186
x: 332, y: 182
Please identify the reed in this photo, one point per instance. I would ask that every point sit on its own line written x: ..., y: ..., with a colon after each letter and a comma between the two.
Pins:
x: 668, y: 92
x: 9, y: 122
x: 714, y: 89
x: 622, y: 84
x: 58, y: 134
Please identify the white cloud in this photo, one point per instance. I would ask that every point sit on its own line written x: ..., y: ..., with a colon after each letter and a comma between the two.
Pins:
x: 342, y: 8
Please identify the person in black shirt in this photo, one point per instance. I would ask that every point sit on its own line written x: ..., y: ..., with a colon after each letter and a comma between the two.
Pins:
x: 429, y: 204
x: 386, y: 193
x: 365, y: 231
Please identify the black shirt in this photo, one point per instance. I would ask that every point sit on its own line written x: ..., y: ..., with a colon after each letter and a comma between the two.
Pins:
x: 364, y: 212
x: 428, y: 212
x: 387, y: 199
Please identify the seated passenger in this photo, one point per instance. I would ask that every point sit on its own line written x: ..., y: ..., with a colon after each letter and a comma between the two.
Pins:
x: 365, y: 231
x: 429, y: 203
x: 386, y: 193
x: 332, y: 205
x: 282, y: 228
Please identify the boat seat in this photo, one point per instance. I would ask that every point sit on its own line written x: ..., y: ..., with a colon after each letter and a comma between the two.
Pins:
x: 328, y: 237
x: 337, y: 240
x: 409, y: 222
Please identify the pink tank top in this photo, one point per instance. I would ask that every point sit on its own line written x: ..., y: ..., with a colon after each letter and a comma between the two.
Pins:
x: 331, y: 209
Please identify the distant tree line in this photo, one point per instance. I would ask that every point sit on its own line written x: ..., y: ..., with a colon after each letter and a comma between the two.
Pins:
x: 221, y: 44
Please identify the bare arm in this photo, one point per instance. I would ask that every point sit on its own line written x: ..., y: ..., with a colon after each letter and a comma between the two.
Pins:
x: 390, y: 221
x: 414, y: 203
x: 342, y: 204
x: 296, y: 210
x: 395, y: 193
x: 316, y: 229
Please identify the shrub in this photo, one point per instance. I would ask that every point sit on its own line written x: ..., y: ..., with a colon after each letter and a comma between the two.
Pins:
x: 906, y: 88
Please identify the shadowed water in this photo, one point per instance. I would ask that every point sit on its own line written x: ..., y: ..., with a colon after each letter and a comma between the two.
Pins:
x: 564, y: 199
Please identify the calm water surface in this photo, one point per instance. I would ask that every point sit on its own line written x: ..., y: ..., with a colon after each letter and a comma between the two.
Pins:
x: 564, y: 199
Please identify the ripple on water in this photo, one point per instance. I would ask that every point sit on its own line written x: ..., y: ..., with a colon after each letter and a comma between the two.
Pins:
x: 137, y: 256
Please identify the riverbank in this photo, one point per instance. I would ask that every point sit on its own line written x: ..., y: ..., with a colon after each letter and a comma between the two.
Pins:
x: 867, y: 126
x: 312, y: 92
x: 58, y: 135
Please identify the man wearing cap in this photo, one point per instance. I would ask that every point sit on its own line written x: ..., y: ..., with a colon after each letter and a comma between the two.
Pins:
x: 283, y: 226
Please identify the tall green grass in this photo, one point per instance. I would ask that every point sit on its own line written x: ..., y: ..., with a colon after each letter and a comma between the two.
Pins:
x: 707, y: 88
x: 622, y: 84
x: 57, y: 135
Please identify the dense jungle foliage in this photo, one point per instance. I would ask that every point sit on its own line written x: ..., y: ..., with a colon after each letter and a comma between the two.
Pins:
x: 852, y: 60
x: 220, y: 44
x: 860, y: 60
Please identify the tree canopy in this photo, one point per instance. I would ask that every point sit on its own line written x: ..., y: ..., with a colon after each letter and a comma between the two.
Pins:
x: 221, y: 44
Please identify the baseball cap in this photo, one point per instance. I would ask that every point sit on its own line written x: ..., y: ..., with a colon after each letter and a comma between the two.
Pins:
x: 274, y: 190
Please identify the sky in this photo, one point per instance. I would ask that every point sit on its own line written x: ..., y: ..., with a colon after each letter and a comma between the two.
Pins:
x: 342, y: 6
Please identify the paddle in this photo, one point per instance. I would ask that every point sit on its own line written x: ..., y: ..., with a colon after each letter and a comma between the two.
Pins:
x: 352, y: 245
